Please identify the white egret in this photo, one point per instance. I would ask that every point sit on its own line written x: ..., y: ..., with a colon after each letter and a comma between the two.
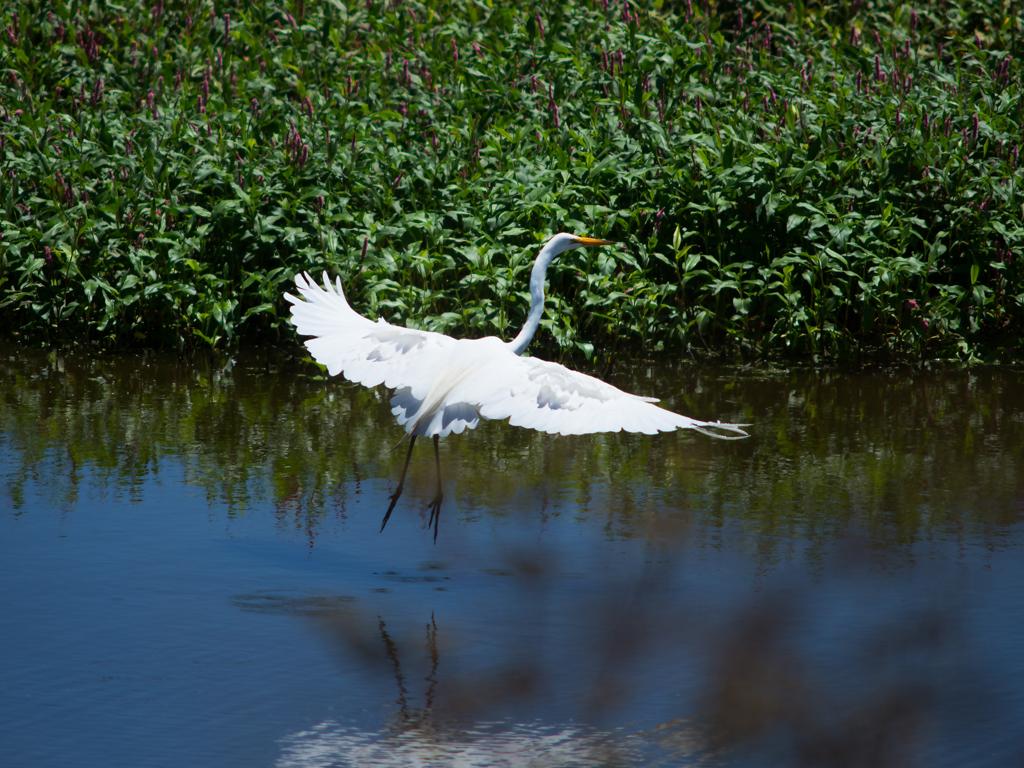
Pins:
x: 444, y: 385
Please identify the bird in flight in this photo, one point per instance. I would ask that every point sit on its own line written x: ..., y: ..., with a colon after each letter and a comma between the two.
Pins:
x: 444, y: 385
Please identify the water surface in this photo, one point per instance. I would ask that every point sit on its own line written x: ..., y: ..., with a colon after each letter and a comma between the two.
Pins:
x: 192, y: 574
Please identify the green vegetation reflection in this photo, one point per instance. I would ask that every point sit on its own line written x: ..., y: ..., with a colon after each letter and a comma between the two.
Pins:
x: 895, y: 458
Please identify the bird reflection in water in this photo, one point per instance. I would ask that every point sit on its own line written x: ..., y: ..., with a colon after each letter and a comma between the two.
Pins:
x: 753, y: 691
x: 421, y: 735
x: 413, y: 718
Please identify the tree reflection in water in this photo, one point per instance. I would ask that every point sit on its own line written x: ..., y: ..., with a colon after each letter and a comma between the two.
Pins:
x: 895, y: 457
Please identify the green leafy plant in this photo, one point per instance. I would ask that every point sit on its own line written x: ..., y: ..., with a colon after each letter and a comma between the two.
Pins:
x: 823, y: 182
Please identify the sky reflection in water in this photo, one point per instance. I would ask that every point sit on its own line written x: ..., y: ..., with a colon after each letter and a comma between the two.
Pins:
x: 191, y: 567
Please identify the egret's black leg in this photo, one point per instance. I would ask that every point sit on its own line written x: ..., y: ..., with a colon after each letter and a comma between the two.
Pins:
x: 435, y: 504
x: 401, y: 482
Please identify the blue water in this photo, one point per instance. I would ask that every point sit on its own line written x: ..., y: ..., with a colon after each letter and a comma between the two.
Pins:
x: 151, y: 614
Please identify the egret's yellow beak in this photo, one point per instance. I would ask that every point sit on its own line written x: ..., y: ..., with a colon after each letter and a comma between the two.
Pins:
x: 593, y: 241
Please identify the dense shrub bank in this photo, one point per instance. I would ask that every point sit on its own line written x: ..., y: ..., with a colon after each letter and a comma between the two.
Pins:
x: 820, y: 181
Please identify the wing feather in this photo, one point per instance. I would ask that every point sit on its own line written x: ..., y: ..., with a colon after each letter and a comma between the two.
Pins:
x: 551, y: 398
x: 366, y: 352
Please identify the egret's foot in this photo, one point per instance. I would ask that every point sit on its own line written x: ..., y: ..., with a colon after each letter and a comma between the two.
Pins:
x: 435, y: 513
x: 391, y: 507
x: 401, y: 484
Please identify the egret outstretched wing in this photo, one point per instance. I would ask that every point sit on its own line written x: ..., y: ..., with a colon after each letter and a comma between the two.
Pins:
x: 366, y: 352
x: 551, y: 398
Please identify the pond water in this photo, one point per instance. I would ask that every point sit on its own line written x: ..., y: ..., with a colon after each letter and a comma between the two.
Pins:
x: 192, y: 574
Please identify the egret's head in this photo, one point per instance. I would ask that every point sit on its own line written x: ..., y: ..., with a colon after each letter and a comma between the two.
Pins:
x: 564, y: 241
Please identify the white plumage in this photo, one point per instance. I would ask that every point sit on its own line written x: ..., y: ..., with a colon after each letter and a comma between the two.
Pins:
x: 444, y: 385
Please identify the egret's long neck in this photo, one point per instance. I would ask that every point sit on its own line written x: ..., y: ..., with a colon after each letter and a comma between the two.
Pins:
x: 537, y: 277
